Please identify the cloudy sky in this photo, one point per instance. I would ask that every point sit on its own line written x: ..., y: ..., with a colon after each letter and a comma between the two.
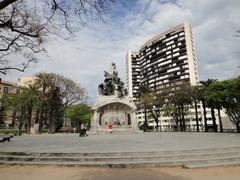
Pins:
x: 85, y: 55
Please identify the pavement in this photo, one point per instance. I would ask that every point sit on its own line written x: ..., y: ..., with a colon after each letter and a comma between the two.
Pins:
x: 143, y: 142
x: 73, y: 173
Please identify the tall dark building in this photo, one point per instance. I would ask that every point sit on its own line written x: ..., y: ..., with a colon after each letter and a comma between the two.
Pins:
x: 163, y: 62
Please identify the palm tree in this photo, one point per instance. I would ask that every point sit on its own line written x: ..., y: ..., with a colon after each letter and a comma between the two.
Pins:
x: 178, y: 103
x: 143, y: 97
x: 206, y: 84
x: 213, y: 96
x: 42, y: 81
x: 156, y: 102
x: 196, y: 96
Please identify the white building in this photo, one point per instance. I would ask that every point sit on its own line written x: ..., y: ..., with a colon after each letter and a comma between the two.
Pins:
x: 164, y: 63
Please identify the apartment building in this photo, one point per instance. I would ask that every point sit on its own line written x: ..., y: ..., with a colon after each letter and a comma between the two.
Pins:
x: 164, y: 63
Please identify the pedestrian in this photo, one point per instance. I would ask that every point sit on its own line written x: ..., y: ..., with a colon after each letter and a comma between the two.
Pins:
x: 83, y: 130
x: 118, y: 123
x: 110, y: 127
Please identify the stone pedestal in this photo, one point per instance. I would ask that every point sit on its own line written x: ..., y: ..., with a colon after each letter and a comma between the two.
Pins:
x: 34, y: 129
x: 120, y: 112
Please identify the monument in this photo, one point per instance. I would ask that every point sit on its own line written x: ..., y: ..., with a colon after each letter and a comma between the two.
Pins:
x: 113, y: 106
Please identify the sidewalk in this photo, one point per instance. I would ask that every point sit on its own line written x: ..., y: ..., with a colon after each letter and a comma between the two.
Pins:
x: 144, y: 142
x: 54, y: 173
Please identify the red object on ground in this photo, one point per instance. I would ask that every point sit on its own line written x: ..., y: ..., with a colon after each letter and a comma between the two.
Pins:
x: 109, y: 126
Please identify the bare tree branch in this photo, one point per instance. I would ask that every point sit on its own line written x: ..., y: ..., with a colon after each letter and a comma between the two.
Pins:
x: 5, y: 3
x: 22, y: 69
x: 22, y: 29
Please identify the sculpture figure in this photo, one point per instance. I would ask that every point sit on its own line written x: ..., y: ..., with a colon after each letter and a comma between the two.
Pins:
x: 112, y: 84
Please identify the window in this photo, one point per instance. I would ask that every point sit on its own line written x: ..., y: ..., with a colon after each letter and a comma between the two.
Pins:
x: 5, y: 89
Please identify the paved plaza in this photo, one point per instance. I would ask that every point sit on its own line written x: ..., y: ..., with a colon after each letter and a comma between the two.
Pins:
x: 73, y: 173
x: 142, y: 142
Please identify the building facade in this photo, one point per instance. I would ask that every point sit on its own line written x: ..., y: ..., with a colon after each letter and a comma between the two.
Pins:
x: 26, y: 81
x: 6, y: 116
x: 163, y: 64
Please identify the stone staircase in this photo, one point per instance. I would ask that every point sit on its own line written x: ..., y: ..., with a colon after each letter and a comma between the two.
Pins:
x: 185, y: 158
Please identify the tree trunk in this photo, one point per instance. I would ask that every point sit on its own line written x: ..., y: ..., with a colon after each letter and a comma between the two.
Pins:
x: 184, y: 124
x: 157, y: 124
x: 196, y: 114
x: 183, y: 119
x: 181, y: 125
x: 177, y: 126
x: 52, y: 124
x: 37, y: 117
x: 21, y: 119
x: 14, y: 118
x: 29, y: 119
x: 41, y: 119
x: 5, y: 3
x: 214, y: 120
x: 220, y: 120
x: 205, y: 116
x: 145, y: 119
x: 238, y: 127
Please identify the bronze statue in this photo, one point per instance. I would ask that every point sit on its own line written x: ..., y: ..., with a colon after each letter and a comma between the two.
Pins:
x: 112, y: 84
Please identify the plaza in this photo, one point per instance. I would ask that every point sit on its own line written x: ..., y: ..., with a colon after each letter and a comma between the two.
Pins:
x: 188, y: 150
x: 142, y: 142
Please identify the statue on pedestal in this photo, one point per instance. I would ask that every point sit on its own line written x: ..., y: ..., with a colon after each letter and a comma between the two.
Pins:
x: 112, y: 84
x: 113, y: 106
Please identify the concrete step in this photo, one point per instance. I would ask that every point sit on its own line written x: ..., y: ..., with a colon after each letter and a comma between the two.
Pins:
x: 126, y: 154
x: 187, y: 158
x: 119, y: 158
x: 91, y: 164
x: 183, y: 163
x: 208, y: 165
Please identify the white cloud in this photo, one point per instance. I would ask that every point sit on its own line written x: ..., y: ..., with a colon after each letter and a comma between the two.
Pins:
x: 90, y: 51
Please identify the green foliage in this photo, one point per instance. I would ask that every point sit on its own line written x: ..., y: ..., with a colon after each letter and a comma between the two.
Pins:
x: 24, y: 102
x: 47, y: 98
x: 11, y: 131
x: 205, y: 86
x: 144, y: 102
x: 196, y: 96
x: 58, y: 92
x: 80, y: 113
x: 226, y: 94
x: 178, y: 105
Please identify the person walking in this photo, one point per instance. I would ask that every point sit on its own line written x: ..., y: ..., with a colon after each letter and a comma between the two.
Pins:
x: 83, y: 130
x: 110, y: 127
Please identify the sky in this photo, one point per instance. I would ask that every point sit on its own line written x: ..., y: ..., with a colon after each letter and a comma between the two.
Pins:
x: 84, y: 55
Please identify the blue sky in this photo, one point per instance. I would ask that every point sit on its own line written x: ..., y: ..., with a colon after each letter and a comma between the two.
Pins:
x: 88, y: 52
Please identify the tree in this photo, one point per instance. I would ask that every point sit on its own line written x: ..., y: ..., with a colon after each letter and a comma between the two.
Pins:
x: 79, y: 113
x: 58, y: 92
x: 24, y: 24
x: 42, y: 81
x: 226, y: 94
x: 144, y: 100
x: 213, y: 96
x: 196, y: 97
x: 156, y: 103
x: 177, y: 106
x: 229, y: 95
x: 24, y: 102
x: 205, y: 85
